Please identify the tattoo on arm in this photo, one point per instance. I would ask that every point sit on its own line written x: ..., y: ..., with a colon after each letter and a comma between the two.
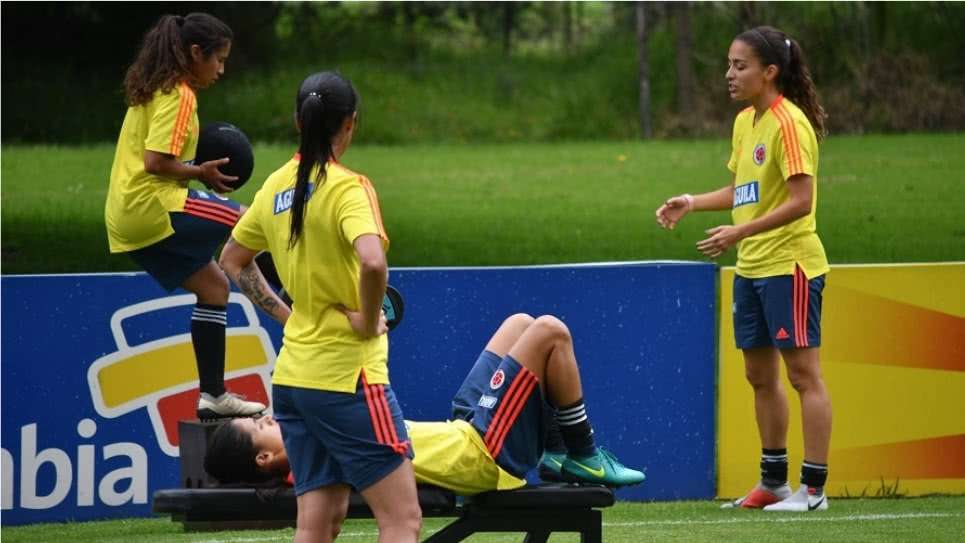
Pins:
x: 251, y: 282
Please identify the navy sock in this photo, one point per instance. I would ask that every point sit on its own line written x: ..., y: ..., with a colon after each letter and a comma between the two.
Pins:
x: 553, y: 439
x: 208, y: 338
x: 575, y: 429
x: 773, y: 467
x: 814, y: 475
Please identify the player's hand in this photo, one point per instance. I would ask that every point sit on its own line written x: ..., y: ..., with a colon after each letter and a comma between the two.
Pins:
x: 721, y: 239
x: 357, y: 321
x: 673, y: 210
x: 212, y: 177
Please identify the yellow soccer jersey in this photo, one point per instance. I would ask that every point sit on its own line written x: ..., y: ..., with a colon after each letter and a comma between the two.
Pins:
x: 320, y: 350
x: 138, y: 203
x: 452, y: 455
x: 782, y: 144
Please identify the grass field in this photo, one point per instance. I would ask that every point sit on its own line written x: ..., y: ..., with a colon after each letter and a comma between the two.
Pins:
x: 881, y: 199
x: 851, y: 520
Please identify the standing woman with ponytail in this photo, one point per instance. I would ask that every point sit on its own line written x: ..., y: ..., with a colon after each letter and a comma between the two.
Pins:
x: 172, y: 231
x: 340, y: 420
x: 781, y: 263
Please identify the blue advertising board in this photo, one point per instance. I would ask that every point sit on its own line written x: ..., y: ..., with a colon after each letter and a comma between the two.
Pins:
x: 98, y: 368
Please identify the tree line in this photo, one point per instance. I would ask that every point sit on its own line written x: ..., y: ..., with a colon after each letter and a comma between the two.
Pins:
x: 880, y: 66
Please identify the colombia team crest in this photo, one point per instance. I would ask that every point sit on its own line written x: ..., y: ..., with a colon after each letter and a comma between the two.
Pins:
x: 759, y: 154
x: 497, y: 380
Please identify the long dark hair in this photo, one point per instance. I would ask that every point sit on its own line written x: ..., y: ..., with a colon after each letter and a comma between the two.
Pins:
x: 794, y: 77
x: 230, y: 457
x: 165, y: 54
x: 324, y: 101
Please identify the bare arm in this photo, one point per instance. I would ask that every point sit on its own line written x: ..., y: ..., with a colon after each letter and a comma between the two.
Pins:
x: 674, y: 209
x: 238, y: 262
x: 166, y: 165
x: 800, y: 188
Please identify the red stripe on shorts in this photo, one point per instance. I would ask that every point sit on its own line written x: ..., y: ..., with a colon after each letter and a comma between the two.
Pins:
x: 509, y: 409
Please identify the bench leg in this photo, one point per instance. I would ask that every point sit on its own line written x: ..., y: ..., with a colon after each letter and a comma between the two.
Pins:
x: 454, y: 532
x: 593, y: 532
x: 536, y: 536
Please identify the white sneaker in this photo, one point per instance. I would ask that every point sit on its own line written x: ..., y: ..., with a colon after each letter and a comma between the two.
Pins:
x: 804, y: 500
x: 759, y: 497
x: 226, y: 406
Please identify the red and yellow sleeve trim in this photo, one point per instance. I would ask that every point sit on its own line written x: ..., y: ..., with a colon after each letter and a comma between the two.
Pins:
x: 374, y: 203
x: 792, y: 146
x: 182, y: 123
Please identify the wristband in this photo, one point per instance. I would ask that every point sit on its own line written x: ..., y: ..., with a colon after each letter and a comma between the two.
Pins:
x: 690, y: 201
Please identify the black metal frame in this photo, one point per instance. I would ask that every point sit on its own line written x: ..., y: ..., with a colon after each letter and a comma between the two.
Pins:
x: 537, y: 511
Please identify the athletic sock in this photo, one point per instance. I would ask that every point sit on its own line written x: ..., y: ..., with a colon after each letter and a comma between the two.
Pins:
x: 553, y: 439
x: 208, y: 338
x: 773, y: 468
x: 814, y: 475
x: 575, y: 429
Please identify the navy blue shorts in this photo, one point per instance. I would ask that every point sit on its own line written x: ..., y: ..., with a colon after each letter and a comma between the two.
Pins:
x: 783, y: 311
x: 339, y: 438
x: 199, y: 230
x: 503, y: 402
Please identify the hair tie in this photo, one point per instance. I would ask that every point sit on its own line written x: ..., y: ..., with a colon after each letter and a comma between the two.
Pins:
x: 788, y: 43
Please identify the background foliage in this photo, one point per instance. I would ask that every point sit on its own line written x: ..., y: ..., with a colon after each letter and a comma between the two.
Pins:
x: 488, y: 71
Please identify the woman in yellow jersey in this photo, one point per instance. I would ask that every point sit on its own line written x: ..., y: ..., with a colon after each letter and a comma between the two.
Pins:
x: 321, y: 223
x: 496, y: 434
x: 172, y: 231
x: 781, y: 263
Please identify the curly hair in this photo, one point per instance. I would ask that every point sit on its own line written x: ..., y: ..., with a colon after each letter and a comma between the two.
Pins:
x: 165, y: 54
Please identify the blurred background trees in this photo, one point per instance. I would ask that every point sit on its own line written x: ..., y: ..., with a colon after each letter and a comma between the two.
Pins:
x: 492, y: 71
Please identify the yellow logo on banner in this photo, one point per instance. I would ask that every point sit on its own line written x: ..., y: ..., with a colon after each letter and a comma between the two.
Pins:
x: 893, y: 358
x: 162, y: 376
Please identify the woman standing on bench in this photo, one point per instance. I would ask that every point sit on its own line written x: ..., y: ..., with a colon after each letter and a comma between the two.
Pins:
x: 341, y: 423
x: 497, y: 433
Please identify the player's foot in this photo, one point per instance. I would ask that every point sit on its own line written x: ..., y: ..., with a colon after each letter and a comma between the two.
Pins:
x: 760, y: 496
x: 227, y: 405
x: 550, y: 465
x: 601, y: 467
x: 807, y: 498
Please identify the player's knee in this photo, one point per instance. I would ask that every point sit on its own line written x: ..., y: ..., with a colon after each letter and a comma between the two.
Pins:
x: 218, y: 287
x: 761, y: 381
x: 405, y: 520
x: 552, y: 327
x: 803, y: 380
x: 520, y: 320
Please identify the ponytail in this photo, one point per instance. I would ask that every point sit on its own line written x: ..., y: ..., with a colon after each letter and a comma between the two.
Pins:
x: 324, y: 101
x: 794, y: 77
x: 164, y: 58
x: 796, y: 83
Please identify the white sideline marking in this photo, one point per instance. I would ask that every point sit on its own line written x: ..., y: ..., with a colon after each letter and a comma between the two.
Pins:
x: 805, y: 518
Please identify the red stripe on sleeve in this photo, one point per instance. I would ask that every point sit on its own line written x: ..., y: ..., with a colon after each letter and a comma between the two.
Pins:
x: 185, y: 109
x: 792, y: 148
x: 374, y: 204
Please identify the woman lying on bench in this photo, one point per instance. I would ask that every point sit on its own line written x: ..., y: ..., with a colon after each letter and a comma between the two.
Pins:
x: 526, y: 376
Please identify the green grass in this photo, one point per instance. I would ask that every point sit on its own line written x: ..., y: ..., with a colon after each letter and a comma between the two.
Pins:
x: 881, y: 199
x: 854, y: 520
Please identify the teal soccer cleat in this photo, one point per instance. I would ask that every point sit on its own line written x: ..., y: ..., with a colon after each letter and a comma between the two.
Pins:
x: 550, y: 466
x: 601, y: 468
